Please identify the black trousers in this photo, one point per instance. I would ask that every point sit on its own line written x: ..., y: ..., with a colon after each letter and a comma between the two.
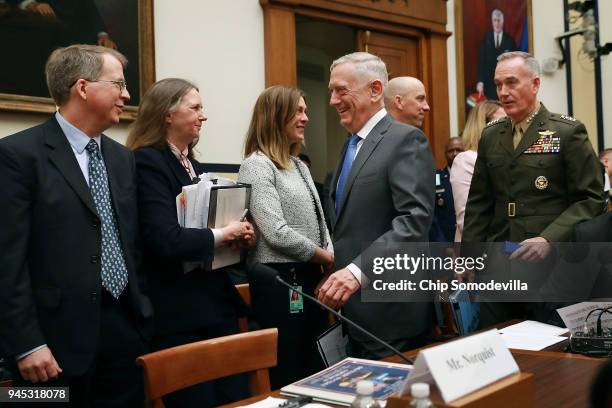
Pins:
x: 113, y: 379
x: 298, y: 356
x: 211, y: 393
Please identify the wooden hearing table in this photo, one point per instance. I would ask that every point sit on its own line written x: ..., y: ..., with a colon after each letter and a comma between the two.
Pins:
x: 561, y: 379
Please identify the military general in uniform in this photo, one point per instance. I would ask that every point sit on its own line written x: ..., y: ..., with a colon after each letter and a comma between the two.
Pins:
x: 535, y: 178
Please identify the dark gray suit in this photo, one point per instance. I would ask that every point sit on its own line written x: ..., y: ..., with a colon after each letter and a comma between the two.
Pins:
x: 389, y: 198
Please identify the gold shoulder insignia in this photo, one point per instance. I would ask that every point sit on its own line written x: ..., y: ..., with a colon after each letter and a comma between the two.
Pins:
x: 494, y: 121
x: 567, y: 117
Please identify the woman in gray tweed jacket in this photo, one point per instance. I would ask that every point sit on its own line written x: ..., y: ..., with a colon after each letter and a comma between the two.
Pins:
x: 293, y: 237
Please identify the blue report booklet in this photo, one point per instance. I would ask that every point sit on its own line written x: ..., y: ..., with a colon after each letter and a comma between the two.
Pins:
x: 465, y: 312
x: 338, y: 383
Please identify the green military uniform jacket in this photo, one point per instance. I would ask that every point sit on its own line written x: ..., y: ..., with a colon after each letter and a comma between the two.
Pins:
x: 549, y: 183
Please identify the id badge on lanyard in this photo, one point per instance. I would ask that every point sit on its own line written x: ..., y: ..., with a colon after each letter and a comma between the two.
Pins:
x: 296, y: 301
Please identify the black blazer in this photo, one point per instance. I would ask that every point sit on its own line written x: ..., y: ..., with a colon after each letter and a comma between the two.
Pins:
x: 487, y: 60
x: 182, y: 301
x: 50, y: 277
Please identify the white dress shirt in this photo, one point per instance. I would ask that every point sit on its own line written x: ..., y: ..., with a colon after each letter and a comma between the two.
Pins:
x: 78, y: 141
x: 363, y: 133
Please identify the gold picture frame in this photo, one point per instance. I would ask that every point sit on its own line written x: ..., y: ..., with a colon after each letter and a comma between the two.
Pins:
x: 143, y: 55
x: 478, y: 12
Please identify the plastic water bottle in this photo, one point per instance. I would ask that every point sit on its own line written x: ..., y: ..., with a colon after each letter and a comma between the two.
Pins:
x: 364, y: 398
x: 420, y: 396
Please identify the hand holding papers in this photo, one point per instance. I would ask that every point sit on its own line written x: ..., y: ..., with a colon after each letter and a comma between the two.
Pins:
x: 216, y: 202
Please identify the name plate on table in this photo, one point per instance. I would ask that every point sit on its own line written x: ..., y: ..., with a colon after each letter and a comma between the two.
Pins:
x: 462, y: 366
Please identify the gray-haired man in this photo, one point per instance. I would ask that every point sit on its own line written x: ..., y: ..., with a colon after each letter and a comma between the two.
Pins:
x: 535, y: 178
x: 383, y: 191
x: 494, y: 43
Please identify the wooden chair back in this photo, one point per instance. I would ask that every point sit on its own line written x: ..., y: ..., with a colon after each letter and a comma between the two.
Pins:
x: 243, y: 289
x: 245, y: 294
x: 173, y: 369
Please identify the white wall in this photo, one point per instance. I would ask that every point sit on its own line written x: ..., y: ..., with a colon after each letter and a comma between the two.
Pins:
x: 220, y: 46
x: 14, y: 122
x: 547, y: 24
x: 215, y: 44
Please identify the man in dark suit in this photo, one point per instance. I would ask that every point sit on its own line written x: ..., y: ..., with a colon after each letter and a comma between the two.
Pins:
x: 494, y: 43
x: 383, y: 191
x: 406, y: 101
x: 535, y: 178
x: 73, y: 309
x: 80, y: 20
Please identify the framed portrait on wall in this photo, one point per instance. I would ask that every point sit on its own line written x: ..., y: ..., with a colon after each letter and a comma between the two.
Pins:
x: 484, y: 30
x: 31, y: 30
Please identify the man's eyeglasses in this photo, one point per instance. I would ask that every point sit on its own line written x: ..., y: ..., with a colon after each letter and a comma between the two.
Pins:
x: 120, y: 84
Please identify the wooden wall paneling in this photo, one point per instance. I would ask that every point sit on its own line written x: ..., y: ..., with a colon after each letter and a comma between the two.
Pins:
x: 425, y: 77
x: 401, y: 54
x: 427, y: 57
x: 279, y: 46
x: 460, y: 71
x: 360, y: 22
x: 146, y: 53
x: 438, y: 97
x: 429, y: 15
x: 423, y: 57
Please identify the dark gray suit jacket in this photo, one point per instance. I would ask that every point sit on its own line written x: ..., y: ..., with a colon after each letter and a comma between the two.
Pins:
x: 50, y: 234
x: 389, y: 198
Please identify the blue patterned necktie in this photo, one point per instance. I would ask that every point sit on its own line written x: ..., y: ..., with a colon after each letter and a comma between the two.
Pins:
x: 114, y: 271
x: 349, y: 157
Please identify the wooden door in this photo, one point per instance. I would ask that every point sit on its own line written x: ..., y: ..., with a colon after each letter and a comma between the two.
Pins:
x: 407, y: 55
x: 401, y: 54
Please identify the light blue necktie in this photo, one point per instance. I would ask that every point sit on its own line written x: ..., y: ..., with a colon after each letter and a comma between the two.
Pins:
x: 114, y: 271
x: 349, y: 157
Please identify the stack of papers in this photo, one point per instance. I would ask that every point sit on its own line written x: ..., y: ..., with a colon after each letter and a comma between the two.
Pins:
x: 213, y: 202
x: 192, y: 204
x: 532, y: 335
x: 574, y: 316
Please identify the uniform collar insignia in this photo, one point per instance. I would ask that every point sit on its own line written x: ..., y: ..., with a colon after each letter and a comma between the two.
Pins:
x: 494, y: 121
x: 567, y: 117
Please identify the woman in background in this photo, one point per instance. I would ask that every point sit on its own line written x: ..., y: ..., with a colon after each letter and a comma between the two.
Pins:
x: 191, y: 305
x: 294, y: 239
x: 463, y: 165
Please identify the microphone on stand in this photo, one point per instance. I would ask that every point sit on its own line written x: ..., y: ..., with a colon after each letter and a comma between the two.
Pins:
x: 271, y: 275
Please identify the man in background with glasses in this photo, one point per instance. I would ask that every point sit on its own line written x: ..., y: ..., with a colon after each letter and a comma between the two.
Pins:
x: 73, y: 312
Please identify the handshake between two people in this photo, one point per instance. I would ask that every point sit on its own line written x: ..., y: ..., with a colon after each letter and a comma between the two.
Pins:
x: 240, y: 235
